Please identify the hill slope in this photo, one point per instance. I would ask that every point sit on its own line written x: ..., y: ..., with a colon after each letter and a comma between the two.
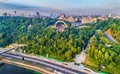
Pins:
x: 40, y: 39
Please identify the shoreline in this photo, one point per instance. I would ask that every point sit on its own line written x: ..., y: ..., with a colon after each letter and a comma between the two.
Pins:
x: 37, y: 69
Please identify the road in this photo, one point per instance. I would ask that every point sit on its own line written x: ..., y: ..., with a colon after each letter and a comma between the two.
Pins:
x: 81, y: 58
x: 109, y: 38
x: 6, y: 50
x: 48, y: 64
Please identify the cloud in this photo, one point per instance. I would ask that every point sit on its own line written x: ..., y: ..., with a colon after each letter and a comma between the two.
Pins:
x: 66, y: 4
x: 3, y: 0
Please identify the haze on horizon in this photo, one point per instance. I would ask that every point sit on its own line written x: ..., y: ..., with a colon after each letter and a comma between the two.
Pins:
x: 85, y: 6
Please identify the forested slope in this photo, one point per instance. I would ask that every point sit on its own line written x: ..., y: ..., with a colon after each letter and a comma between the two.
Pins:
x: 40, y: 39
x: 101, y: 52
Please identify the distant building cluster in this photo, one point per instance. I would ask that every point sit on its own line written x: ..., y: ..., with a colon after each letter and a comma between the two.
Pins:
x: 77, y: 21
x: 70, y: 18
x: 74, y: 20
x: 80, y: 20
x: 89, y: 19
x: 21, y: 14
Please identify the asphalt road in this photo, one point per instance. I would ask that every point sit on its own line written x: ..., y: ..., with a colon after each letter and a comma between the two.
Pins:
x: 48, y: 64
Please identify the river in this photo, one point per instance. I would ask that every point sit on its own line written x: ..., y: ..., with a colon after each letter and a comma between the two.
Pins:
x: 10, y: 69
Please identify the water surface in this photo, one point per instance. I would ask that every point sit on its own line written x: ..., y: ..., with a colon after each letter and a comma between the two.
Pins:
x: 10, y: 69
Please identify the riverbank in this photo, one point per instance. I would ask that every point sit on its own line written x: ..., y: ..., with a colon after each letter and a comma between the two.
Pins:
x: 43, y: 71
x: 11, y: 69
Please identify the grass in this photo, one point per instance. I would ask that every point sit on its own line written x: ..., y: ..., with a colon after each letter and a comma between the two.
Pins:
x: 89, y: 63
x: 102, y: 72
x: 7, y: 47
x: 51, y: 58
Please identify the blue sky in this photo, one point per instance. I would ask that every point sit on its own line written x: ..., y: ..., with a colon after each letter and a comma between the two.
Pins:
x: 61, y: 4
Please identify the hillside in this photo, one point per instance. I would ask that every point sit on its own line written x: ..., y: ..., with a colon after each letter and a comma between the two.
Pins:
x: 40, y: 39
x: 102, y: 53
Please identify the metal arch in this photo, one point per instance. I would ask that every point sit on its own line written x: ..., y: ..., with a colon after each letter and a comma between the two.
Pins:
x: 61, y: 22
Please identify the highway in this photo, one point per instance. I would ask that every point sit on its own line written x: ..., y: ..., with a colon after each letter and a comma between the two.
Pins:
x: 45, y: 63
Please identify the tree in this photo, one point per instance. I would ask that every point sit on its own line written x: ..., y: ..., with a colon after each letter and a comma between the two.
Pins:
x: 68, y: 55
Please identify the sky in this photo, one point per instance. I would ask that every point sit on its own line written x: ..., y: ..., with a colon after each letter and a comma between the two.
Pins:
x: 71, y: 7
x: 63, y: 4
